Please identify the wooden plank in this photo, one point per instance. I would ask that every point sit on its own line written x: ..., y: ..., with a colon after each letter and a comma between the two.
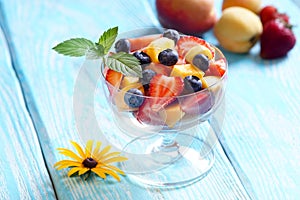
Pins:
x: 49, y: 79
x: 23, y: 174
x: 261, y: 128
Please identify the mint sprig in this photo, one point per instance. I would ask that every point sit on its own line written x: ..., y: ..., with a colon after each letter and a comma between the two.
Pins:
x: 74, y: 47
x: 108, y: 38
x: 122, y: 62
x: 95, y: 52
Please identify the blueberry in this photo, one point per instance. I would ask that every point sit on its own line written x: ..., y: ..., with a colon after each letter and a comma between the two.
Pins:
x: 192, y: 83
x: 142, y: 57
x: 134, y: 98
x: 201, y: 61
x: 122, y: 45
x: 147, y: 76
x: 168, y: 57
x: 171, y: 34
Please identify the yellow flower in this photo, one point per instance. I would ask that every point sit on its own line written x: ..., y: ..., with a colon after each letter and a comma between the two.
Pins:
x: 91, y: 160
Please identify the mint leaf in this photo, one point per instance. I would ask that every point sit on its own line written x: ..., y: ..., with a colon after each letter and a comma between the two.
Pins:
x: 95, y: 52
x: 122, y: 62
x: 108, y: 38
x: 74, y: 47
x: 125, y: 63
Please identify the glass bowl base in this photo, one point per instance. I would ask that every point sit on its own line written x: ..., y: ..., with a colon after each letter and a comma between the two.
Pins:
x: 184, y: 161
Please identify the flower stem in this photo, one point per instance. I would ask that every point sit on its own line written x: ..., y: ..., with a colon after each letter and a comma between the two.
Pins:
x: 88, y: 175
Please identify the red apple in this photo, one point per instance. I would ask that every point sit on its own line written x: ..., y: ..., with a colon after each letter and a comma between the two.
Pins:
x: 188, y: 16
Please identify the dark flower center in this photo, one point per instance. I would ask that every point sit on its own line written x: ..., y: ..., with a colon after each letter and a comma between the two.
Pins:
x: 89, y: 163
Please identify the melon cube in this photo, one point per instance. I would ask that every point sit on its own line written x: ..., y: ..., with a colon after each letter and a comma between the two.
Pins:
x: 186, y: 70
x: 171, y: 114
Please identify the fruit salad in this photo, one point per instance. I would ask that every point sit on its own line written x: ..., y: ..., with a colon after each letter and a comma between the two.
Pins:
x: 182, y: 80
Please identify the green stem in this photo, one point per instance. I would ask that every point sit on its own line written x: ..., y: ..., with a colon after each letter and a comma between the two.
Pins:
x: 88, y: 175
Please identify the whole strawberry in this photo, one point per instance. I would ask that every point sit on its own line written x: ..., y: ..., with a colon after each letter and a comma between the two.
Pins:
x: 269, y: 13
x: 277, y: 39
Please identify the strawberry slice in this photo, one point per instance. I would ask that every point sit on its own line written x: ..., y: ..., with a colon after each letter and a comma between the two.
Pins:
x: 142, y: 42
x: 165, y: 88
x: 146, y: 115
x: 216, y: 68
x: 114, y: 78
x: 198, y: 103
x: 160, y: 68
x: 185, y: 43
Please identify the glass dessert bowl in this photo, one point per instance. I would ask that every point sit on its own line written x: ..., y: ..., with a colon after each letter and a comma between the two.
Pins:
x: 169, y: 108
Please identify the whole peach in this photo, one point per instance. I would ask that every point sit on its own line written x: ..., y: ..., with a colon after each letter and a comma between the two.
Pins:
x: 188, y: 16
x: 253, y: 5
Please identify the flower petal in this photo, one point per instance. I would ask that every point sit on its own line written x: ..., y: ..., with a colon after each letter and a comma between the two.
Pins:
x: 69, y: 153
x: 73, y: 171
x: 83, y: 171
x: 115, y: 169
x: 111, y: 154
x: 102, y: 152
x: 79, y: 149
x: 99, y: 172
x: 88, y: 148
x: 66, y: 163
x: 114, y: 159
x: 97, y: 148
x: 112, y: 173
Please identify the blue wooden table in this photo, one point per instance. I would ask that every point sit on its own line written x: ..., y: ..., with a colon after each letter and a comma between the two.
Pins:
x: 257, y: 155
